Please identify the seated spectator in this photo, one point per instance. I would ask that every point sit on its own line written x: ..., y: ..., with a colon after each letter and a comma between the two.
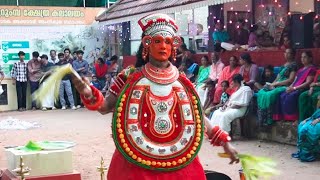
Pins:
x: 253, y: 39
x: 210, y: 91
x: 286, y: 43
x: 248, y: 70
x: 95, y: 82
x: 223, y: 99
x: 308, y: 99
x: 286, y: 107
x: 214, y: 75
x: 240, y: 38
x: 267, y: 78
x: 203, y: 75
x: 268, y: 95
x: 226, y: 75
x: 114, y: 67
x: 220, y: 35
x: 48, y: 100
x: 235, y: 107
x: 241, y: 35
x: 266, y: 40
x: 309, y: 139
x: 101, y: 69
x: 187, y: 63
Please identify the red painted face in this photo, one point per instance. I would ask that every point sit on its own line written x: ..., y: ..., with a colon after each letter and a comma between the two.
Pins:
x: 161, y: 48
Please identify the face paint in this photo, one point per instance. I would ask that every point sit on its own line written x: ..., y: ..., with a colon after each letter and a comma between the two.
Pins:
x: 161, y: 48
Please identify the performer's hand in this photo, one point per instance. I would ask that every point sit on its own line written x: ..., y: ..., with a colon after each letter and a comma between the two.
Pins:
x: 229, y: 149
x: 82, y: 86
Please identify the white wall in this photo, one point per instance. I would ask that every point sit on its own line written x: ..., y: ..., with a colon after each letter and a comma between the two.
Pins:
x: 201, y: 17
x: 302, y: 6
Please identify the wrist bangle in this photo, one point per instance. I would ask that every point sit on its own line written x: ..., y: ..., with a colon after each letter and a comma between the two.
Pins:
x: 89, y: 103
x: 219, y: 137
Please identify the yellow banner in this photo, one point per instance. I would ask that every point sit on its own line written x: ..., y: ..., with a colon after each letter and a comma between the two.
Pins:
x: 37, y: 15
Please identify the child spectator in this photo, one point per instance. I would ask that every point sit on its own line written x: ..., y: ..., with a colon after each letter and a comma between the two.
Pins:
x: 107, y: 84
x: 267, y: 77
x: 286, y: 43
x: 224, y: 98
x: 96, y: 83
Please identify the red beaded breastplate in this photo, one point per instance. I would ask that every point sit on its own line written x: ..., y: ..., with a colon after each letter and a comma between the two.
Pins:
x: 158, y: 126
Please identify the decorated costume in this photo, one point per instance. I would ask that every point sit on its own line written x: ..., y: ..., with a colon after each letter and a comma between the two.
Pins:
x: 157, y: 124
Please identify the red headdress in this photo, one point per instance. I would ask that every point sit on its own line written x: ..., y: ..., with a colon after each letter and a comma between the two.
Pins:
x: 159, y: 24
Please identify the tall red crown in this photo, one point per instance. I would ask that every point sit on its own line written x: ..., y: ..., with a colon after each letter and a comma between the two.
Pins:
x: 158, y: 24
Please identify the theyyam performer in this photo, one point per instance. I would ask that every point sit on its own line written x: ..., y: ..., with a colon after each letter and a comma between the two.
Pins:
x: 158, y: 125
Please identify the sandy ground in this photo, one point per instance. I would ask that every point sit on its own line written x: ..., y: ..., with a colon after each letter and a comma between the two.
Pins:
x: 91, y: 131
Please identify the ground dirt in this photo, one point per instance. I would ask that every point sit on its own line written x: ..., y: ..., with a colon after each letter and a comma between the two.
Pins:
x: 91, y: 131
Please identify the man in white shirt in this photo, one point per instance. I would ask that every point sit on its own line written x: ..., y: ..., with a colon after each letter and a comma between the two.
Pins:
x: 53, y: 57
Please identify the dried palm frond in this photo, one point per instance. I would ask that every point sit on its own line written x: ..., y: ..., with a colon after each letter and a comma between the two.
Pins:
x: 255, y: 167
x: 53, y: 81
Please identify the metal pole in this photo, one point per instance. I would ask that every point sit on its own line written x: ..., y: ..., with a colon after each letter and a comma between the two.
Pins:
x: 17, y: 2
x: 105, y: 3
x: 84, y: 3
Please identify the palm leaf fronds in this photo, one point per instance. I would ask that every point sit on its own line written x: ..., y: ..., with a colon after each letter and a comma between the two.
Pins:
x: 53, y: 81
x: 255, y: 167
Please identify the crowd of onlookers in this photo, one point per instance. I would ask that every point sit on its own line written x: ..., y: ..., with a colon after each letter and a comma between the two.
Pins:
x: 254, y: 38
x: 290, y: 92
x: 36, y: 70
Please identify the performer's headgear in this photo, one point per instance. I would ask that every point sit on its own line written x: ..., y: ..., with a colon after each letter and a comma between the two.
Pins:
x: 159, y: 24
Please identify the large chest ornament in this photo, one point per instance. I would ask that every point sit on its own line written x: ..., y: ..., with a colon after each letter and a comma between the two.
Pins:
x: 154, y: 131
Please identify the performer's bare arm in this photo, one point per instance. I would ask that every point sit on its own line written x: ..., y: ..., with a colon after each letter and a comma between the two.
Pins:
x: 109, y: 103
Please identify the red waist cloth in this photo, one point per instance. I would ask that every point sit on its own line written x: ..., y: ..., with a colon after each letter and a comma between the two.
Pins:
x: 121, y: 169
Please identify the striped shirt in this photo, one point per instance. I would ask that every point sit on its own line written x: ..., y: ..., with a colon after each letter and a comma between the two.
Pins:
x: 19, y: 71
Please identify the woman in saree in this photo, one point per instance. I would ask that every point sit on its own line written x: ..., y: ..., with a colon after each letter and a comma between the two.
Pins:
x: 308, y: 99
x: 203, y: 75
x: 309, y: 139
x: 248, y: 70
x: 286, y: 107
x: 226, y: 75
x: 235, y: 107
x: 269, y: 94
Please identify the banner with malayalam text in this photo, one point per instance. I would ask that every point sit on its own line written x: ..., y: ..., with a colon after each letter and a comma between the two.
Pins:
x: 38, y: 15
